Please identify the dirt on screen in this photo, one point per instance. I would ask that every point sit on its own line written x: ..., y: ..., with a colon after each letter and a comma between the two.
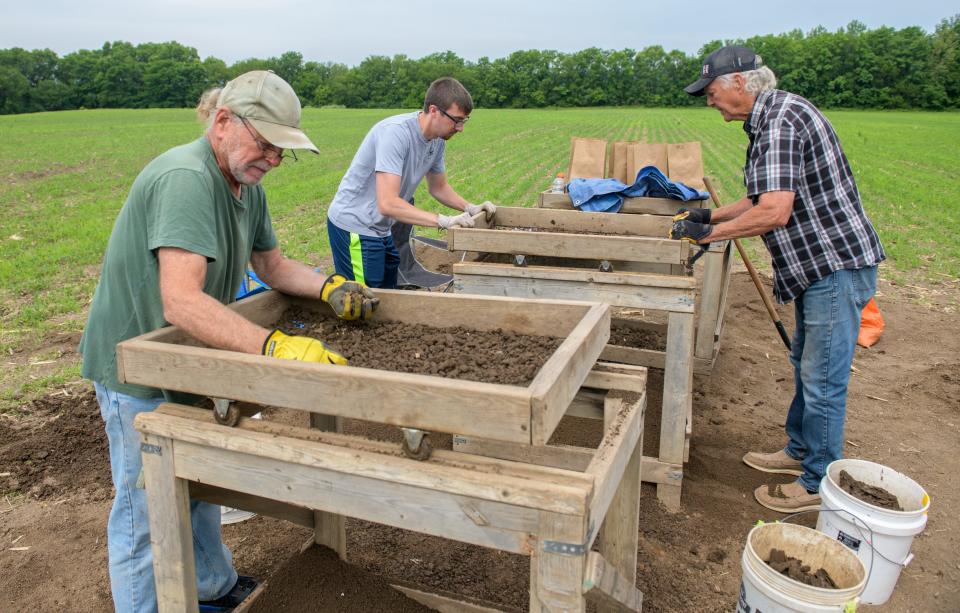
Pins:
x: 495, y: 356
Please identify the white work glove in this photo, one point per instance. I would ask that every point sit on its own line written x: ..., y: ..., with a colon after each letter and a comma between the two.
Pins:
x: 487, y: 206
x: 463, y: 220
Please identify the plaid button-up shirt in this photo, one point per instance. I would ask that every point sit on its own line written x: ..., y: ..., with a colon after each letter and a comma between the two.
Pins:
x: 793, y: 148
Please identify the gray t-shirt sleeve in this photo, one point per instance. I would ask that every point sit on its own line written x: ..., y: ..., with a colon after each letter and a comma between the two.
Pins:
x: 391, y: 150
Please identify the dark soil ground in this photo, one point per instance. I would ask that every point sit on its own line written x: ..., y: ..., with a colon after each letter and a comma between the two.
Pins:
x: 903, y: 412
x: 637, y: 337
x: 496, y: 356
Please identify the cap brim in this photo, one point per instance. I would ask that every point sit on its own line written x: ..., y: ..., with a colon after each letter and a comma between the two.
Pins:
x: 281, y: 136
x: 696, y: 89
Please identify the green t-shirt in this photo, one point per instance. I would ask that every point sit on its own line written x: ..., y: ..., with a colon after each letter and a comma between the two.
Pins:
x: 181, y: 199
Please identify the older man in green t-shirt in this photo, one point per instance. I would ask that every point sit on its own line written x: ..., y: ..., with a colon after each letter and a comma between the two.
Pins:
x: 193, y: 219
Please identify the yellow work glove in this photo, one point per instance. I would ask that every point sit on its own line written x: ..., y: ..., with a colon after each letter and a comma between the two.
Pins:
x: 348, y: 299
x: 303, y: 348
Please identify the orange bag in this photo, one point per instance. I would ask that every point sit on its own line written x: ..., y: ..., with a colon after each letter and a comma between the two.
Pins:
x: 871, y: 325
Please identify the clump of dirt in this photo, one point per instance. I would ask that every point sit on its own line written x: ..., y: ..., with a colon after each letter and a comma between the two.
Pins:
x: 798, y: 571
x: 870, y: 494
x: 639, y: 338
x: 318, y: 581
x: 497, y: 356
x: 66, y: 452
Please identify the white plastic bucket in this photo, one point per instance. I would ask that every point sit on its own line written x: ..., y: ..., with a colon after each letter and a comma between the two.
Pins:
x: 764, y: 589
x: 893, y: 531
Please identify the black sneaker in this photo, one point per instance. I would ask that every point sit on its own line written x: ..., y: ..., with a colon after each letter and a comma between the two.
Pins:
x: 232, y: 599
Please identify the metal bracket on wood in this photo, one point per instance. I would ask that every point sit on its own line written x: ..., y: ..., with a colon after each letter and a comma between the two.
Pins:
x: 571, y: 549
x: 568, y: 549
x: 606, y: 266
x: 148, y: 448
x: 520, y: 260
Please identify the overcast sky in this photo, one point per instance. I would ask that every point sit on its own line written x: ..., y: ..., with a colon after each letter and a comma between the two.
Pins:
x: 348, y: 31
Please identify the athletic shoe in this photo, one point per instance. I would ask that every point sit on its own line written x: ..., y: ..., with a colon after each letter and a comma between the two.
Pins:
x: 232, y: 599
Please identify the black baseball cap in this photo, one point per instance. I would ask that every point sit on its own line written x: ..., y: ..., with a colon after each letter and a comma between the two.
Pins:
x: 726, y: 60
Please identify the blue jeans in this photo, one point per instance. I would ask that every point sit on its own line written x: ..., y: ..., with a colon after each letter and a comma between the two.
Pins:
x: 128, y: 529
x: 828, y: 323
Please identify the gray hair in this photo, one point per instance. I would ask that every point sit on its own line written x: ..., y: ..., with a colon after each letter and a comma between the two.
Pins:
x: 207, y: 106
x: 755, y: 81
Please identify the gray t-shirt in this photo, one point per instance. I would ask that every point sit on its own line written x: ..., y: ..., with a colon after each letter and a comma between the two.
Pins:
x: 394, y: 145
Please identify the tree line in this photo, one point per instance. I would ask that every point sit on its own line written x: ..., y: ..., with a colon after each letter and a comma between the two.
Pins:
x: 856, y: 67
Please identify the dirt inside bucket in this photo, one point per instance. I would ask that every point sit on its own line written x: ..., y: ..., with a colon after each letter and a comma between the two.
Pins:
x: 798, y: 571
x: 496, y: 356
x: 870, y: 494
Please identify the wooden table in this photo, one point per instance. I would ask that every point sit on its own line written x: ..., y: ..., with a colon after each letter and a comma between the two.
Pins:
x: 315, y: 478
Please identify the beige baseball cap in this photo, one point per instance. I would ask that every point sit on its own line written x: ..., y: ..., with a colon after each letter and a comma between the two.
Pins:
x: 270, y: 105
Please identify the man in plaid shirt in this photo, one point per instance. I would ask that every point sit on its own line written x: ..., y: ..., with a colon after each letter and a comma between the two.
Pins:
x: 802, y: 199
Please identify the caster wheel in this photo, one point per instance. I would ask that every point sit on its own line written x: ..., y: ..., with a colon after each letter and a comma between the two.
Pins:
x: 422, y: 453
x: 228, y: 418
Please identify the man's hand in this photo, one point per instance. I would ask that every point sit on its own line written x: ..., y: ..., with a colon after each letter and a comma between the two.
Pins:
x: 463, y: 220
x: 697, y: 215
x: 348, y: 299
x: 697, y: 233
x: 489, y: 207
x: 302, y: 348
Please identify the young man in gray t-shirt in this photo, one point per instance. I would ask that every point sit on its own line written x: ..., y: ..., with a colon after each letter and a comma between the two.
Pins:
x: 378, y: 188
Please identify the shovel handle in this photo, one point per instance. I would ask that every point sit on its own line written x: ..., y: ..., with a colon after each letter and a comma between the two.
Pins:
x: 753, y: 274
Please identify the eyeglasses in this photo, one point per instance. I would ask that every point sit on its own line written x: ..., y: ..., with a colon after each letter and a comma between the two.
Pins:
x: 269, y: 151
x: 457, y: 121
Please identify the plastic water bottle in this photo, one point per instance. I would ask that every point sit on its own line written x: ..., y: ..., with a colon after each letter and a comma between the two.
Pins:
x: 558, y: 184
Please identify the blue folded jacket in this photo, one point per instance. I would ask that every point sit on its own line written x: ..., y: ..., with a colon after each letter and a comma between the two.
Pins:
x: 597, y: 194
x: 606, y: 195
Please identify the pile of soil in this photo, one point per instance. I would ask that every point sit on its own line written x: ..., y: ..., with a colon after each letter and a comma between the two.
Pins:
x: 638, y: 338
x: 497, y: 356
x: 62, y: 451
x: 317, y: 581
x: 798, y: 571
x: 870, y: 494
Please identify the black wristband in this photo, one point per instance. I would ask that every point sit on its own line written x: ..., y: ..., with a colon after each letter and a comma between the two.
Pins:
x: 266, y: 342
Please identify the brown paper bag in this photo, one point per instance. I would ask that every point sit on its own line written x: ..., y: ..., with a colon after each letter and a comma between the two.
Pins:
x: 588, y: 158
x: 618, y: 160
x: 686, y: 164
x: 645, y: 154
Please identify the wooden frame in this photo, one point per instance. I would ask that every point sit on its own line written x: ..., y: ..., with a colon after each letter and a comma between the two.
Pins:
x: 552, y: 515
x: 647, y: 206
x: 570, y: 234
x: 718, y: 263
x: 169, y: 359
x: 675, y: 295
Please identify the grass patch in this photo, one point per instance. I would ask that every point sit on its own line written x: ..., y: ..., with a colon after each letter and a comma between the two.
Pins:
x: 68, y: 173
